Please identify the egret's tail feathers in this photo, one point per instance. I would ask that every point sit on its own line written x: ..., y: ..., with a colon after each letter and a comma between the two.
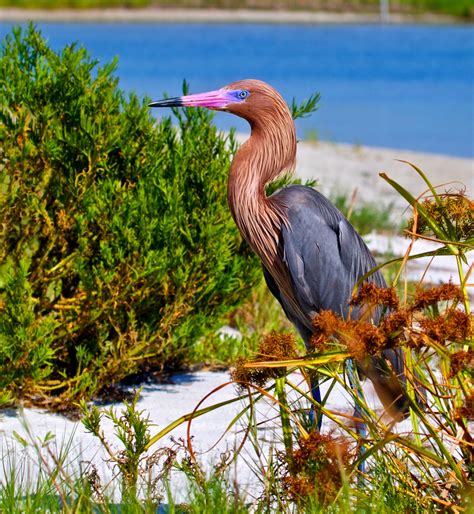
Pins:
x: 387, y: 375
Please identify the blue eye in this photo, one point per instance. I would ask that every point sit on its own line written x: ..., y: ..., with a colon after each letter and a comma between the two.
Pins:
x: 243, y: 94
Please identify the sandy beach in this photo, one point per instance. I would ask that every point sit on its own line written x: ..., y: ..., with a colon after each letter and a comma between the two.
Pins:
x: 164, y: 403
x: 344, y: 168
x: 170, y: 15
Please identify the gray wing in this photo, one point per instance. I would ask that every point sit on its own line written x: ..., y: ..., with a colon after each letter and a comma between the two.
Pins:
x: 325, y: 257
x: 323, y: 253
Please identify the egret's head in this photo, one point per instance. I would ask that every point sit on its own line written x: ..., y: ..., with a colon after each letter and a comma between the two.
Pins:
x: 245, y: 98
x: 220, y: 99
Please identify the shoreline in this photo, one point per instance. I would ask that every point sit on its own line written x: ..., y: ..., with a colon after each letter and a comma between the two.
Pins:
x: 175, y: 15
x: 345, y: 168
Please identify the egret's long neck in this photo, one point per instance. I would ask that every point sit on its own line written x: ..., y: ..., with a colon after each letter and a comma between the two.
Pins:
x: 269, y: 152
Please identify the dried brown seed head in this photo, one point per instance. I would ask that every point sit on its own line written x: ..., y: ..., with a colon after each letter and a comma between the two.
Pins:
x: 394, y: 325
x: 325, y: 326
x: 317, y: 466
x: 454, y: 210
x: 462, y: 361
x: 370, y: 294
x: 455, y: 326
x: 426, y: 297
x: 274, y: 347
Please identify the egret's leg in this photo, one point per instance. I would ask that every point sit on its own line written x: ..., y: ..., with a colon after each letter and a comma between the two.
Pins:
x: 316, y: 419
x: 361, y: 427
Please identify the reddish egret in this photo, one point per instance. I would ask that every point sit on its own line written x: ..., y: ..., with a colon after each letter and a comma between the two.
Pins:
x: 311, y: 255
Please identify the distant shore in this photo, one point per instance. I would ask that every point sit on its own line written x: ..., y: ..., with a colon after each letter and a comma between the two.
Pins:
x: 350, y: 169
x: 171, y: 15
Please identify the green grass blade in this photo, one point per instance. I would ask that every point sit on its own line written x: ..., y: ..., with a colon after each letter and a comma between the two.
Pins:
x: 191, y: 415
x: 435, y: 227
x: 308, y: 361
x: 284, y: 415
x: 425, y: 179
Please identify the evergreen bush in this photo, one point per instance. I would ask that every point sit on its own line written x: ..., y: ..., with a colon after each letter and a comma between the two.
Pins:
x: 117, y: 248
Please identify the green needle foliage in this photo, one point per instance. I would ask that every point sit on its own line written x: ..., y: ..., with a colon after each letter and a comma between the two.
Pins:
x: 116, y: 245
x: 131, y: 428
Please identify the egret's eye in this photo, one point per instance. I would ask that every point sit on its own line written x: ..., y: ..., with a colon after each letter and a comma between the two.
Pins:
x: 243, y: 94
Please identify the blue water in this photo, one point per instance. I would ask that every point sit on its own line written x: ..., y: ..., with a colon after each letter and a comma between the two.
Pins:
x: 408, y: 86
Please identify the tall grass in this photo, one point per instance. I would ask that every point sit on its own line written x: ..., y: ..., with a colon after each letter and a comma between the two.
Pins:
x: 424, y: 467
x: 430, y: 464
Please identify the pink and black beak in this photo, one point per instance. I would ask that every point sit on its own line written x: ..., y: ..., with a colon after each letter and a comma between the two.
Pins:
x: 218, y: 99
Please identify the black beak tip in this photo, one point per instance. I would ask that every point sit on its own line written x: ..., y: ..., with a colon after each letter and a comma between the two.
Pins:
x: 169, y: 102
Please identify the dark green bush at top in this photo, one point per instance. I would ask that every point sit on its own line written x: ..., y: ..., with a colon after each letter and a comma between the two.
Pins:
x: 117, y: 249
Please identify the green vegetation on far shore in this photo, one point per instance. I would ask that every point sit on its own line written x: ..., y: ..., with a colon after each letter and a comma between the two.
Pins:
x: 461, y: 8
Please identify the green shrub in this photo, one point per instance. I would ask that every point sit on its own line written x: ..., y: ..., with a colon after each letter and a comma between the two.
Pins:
x: 117, y: 248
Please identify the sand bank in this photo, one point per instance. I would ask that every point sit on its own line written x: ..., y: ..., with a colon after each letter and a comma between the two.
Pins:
x: 344, y: 168
x: 164, y: 403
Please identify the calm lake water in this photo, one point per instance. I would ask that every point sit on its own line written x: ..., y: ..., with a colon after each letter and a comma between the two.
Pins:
x: 408, y: 86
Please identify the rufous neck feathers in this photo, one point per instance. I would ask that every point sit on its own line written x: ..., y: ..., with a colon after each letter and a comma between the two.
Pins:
x: 267, y: 154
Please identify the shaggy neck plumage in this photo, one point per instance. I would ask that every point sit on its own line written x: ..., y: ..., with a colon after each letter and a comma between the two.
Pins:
x: 268, y: 153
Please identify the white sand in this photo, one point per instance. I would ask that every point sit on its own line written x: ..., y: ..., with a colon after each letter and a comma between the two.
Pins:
x: 164, y: 404
x: 343, y: 168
